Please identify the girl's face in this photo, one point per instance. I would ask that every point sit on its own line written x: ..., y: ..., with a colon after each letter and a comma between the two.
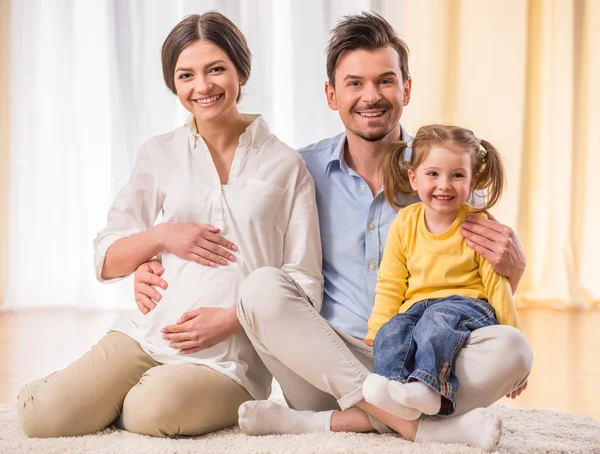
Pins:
x: 444, y: 180
x: 207, y: 82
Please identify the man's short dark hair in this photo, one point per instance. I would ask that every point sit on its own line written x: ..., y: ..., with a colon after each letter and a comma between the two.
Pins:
x: 367, y: 31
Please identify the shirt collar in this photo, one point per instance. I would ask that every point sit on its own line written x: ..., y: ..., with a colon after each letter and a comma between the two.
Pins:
x: 337, y: 155
x: 255, y: 135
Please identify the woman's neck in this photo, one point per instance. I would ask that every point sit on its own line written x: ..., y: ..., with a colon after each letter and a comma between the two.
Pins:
x: 223, y: 135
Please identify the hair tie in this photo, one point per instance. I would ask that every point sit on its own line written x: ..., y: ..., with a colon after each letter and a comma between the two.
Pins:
x: 482, y: 149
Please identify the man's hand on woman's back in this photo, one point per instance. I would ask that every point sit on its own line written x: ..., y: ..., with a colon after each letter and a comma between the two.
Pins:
x: 145, y: 277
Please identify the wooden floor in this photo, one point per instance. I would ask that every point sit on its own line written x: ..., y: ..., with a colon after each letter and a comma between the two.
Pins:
x: 566, y: 373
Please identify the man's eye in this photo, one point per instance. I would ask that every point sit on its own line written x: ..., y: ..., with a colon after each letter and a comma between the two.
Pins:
x: 353, y: 84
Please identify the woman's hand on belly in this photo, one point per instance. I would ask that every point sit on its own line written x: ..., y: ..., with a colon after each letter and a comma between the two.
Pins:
x: 199, y: 243
x: 202, y: 328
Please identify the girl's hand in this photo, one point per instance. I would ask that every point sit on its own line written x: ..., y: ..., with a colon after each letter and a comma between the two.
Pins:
x: 199, y: 243
x: 368, y: 342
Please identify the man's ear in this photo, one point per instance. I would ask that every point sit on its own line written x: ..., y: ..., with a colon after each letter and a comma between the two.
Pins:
x: 330, y: 94
x: 407, y: 89
x: 412, y: 177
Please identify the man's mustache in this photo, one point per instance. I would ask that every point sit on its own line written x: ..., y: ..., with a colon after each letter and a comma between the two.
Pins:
x: 379, y: 105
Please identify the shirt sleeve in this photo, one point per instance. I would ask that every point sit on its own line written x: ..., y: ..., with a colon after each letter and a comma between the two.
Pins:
x: 392, y: 280
x: 302, y: 253
x: 499, y: 293
x: 134, y: 209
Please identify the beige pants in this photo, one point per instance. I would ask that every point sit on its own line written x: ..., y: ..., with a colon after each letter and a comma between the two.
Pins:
x: 322, y: 368
x: 117, y: 380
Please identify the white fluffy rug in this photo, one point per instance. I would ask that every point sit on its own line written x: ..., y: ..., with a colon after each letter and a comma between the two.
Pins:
x: 525, y: 431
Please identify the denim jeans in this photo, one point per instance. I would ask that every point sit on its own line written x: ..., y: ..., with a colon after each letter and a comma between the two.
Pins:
x: 423, y: 343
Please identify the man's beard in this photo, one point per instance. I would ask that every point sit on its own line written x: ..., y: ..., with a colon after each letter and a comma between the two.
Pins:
x: 373, y: 137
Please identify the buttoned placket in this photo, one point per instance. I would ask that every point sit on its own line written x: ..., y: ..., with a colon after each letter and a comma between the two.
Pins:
x: 372, y: 253
x: 199, y: 146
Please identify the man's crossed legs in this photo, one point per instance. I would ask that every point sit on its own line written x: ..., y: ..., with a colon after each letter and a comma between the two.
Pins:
x: 321, y: 370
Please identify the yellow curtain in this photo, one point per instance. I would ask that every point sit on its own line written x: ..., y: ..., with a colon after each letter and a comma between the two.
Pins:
x: 4, y: 141
x: 523, y: 75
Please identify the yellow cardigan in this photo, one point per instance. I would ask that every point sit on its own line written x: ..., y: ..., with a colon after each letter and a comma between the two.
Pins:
x: 418, y: 265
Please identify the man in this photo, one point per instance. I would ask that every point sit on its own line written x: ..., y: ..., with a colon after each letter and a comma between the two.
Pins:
x: 315, y: 351
x: 314, y: 348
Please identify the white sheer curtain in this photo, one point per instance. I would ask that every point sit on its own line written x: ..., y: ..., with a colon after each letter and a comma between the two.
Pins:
x: 87, y: 90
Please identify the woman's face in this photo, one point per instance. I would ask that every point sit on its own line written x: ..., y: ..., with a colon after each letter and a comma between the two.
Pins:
x: 207, y: 82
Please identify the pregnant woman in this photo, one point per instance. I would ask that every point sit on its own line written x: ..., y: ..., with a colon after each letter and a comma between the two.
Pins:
x: 223, y: 171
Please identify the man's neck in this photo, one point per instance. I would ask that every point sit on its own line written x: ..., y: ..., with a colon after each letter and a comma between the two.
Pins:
x: 365, y: 157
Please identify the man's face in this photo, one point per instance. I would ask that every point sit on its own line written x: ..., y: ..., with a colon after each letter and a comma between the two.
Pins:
x: 369, y: 93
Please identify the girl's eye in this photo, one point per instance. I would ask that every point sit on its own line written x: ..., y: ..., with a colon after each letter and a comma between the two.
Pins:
x: 185, y: 76
x: 217, y: 69
x: 458, y: 175
x: 432, y: 174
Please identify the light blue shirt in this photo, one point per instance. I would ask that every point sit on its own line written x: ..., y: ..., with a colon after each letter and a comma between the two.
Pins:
x: 354, y: 227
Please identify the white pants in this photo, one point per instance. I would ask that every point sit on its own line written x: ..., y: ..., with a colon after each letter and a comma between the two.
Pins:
x: 322, y: 368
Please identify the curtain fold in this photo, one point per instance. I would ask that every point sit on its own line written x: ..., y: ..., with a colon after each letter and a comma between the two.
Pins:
x: 4, y: 141
x: 521, y: 74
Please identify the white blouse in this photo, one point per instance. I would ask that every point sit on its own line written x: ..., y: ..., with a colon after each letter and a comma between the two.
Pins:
x: 267, y: 208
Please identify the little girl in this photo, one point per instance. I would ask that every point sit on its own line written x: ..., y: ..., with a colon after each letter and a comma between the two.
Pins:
x: 433, y: 290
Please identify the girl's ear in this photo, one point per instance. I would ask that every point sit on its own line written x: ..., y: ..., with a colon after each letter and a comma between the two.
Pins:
x: 412, y: 177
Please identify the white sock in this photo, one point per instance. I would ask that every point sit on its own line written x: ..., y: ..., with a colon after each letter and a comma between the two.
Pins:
x: 416, y: 395
x: 263, y: 417
x: 481, y: 428
x: 375, y: 391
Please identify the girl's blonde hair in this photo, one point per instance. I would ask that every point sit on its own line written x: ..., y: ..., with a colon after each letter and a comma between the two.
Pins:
x: 488, y: 171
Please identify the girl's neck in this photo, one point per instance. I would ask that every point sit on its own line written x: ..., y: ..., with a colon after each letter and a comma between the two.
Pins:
x: 438, y: 223
x: 223, y: 135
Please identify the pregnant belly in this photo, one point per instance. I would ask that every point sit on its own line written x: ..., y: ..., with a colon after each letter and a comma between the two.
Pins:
x: 190, y: 286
